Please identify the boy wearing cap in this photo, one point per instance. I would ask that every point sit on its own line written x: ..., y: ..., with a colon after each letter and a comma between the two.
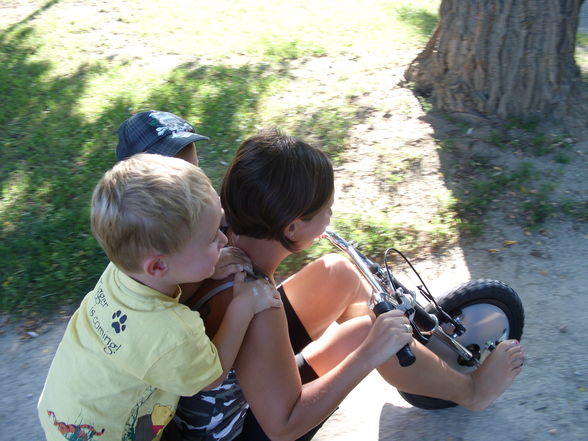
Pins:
x: 155, y: 131
x: 164, y: 133
x: 131, y: 350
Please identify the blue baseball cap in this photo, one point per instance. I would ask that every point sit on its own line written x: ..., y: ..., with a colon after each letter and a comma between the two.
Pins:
x: 155, y: 131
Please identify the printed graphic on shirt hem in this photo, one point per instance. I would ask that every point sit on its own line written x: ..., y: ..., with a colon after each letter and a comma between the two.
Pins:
x: 74, y: 432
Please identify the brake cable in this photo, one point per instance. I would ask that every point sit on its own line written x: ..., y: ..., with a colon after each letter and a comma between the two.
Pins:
x: 424, y: 290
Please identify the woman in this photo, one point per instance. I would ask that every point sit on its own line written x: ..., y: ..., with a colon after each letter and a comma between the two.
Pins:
x: 297, y: 364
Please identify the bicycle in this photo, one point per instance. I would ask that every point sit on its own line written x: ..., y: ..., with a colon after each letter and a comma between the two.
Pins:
x: 462, y: 327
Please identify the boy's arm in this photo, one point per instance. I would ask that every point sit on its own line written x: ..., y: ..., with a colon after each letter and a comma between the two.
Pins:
x: 232, y: 260
x: 229, y: 337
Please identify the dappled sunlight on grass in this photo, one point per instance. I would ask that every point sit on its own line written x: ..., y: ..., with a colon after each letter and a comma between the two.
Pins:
x: 226, y: 107
x: 45, y: 234
x: 73, y: 71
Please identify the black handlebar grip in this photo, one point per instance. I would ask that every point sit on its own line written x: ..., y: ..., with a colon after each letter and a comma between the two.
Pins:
x: 405, y: 355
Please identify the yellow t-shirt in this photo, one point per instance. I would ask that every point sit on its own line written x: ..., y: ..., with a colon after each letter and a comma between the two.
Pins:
x: 128, y: 353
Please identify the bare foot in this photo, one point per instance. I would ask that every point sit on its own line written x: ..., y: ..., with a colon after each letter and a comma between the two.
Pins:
x: 496, y: 374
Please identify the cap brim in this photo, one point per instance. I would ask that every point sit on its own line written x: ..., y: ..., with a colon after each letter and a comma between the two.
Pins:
x: 171, y: 145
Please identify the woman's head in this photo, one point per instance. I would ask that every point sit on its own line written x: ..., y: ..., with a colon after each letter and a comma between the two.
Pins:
x: 274, y: 180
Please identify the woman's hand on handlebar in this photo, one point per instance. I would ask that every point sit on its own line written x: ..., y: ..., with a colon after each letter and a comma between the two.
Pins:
x: 390, y: 332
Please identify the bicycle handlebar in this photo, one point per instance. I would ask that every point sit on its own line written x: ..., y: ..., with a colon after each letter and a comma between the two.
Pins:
x: 405, y: 355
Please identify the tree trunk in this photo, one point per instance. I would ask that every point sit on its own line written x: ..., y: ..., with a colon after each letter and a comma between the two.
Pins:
x: 503, y: 58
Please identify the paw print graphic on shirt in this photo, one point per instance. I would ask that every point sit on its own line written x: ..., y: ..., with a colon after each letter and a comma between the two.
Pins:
x: 119, y: 321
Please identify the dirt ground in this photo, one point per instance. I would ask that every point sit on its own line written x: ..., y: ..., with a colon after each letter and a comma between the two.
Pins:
x: 549, y: 400
x: 547, y: 267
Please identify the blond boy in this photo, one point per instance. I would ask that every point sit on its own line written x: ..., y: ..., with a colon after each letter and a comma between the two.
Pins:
x: 131, y: 350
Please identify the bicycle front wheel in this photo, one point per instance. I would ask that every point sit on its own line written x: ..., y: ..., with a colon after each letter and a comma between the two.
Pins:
x: 490, y: 311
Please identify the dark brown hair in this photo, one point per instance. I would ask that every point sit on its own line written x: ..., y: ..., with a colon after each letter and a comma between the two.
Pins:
x: 273, y: 180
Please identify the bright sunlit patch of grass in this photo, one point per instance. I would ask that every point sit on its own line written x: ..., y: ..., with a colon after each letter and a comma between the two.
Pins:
x: 13, y: 190
x: 582, y: 54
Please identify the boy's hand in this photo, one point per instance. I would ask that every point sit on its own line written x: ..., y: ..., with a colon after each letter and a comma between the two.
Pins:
x: 232, y: 260
x: 259, y: 295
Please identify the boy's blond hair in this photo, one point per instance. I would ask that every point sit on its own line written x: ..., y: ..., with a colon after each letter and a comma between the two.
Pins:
x: 148, y: 203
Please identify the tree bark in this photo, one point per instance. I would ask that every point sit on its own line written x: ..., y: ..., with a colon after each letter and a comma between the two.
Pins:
x: 503, y: 58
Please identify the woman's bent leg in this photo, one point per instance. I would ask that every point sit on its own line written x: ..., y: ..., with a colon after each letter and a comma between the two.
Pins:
x: 331, y: 290
x: 325, y: 291
x: 432, y: 377
x: 336, y: 343
x: 429, y: 375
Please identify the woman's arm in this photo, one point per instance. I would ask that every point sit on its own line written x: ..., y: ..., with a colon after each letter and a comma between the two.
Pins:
x: 248, y: 299
x: 268, y: 375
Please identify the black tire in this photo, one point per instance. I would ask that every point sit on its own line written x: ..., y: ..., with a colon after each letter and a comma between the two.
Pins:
x: 477, y: 296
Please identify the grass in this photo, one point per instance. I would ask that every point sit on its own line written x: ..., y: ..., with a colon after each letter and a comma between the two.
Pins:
x: 391, y: 169
x: 481, y: 185
x: 370, y: 235
x: 483, y: 182
x: 582, y: 54
x: 327, y: 127
x: 73, y: 71
x: 528, y: 191
x: 373, y: 234
x: 422, y: 19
